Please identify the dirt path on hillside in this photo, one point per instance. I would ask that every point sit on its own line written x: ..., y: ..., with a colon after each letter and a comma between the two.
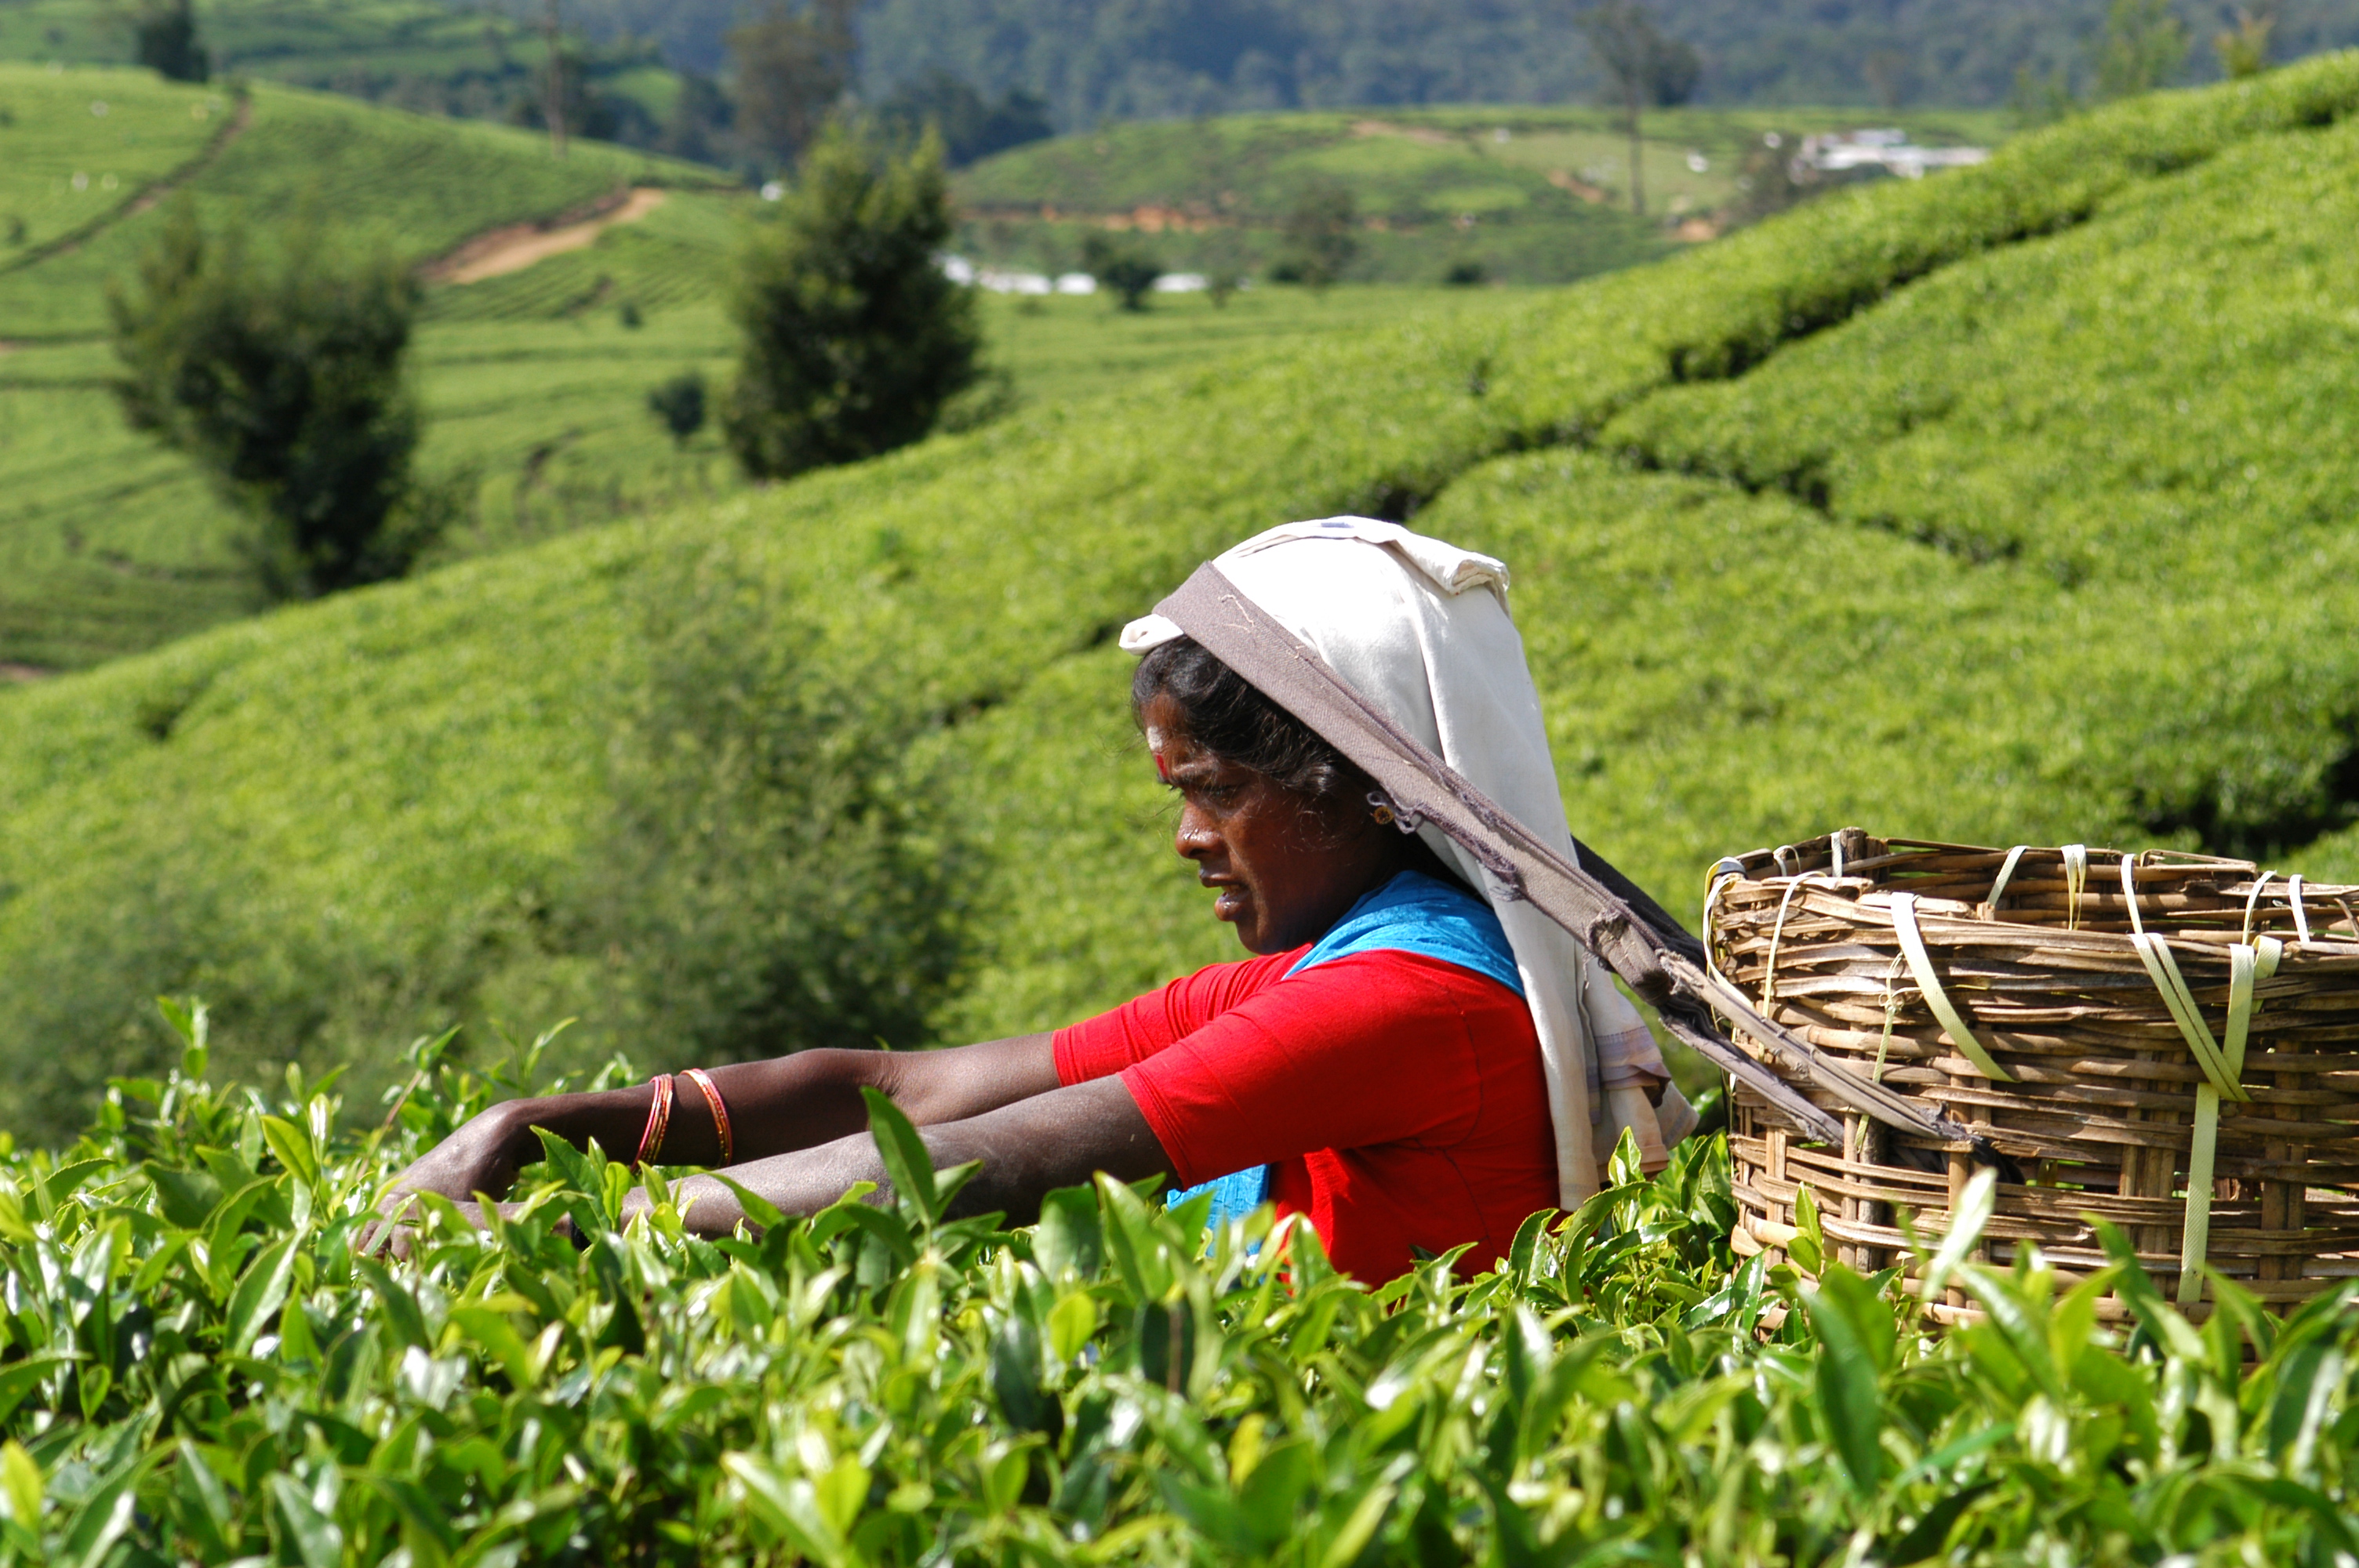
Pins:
x: 1425, y: 134
x: 502, y: 251
x: 146, y: 196
x: 22, y: 674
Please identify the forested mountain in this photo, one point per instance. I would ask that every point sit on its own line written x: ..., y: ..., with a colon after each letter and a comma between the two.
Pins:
x: 1095, y: 59
x: 1092, y: 61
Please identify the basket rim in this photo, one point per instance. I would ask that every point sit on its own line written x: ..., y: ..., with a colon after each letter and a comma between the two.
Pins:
x: 1964, y: 921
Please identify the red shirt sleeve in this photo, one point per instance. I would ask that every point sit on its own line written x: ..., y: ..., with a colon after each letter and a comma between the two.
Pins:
x: 1378, y: 1047
x: 1101, y: 1046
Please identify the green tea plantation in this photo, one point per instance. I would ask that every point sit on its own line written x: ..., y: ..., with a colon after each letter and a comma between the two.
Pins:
x: 2011, y: 505
x: 534, y: 377
x: 206, y: 1362
x: 110, y: 544
x: 1505, y: 193
x: 375, y: 818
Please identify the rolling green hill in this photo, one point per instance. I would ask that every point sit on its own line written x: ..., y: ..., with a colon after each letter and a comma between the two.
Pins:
x: 413, y: 183
x: 534, y: 382
x: 1531, y: 195
x: 2003, y: 506
x: 245, y: 35
x: 461, y: 60
x: 110, y: 544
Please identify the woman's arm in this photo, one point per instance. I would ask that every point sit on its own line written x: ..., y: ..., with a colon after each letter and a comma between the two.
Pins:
x: 777, y: 1106
x: 1026, y: 1150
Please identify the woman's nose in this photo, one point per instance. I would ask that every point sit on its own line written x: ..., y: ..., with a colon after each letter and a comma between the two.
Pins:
x: 1193, y: 839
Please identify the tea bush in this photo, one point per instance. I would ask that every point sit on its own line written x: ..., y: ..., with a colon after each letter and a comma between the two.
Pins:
x: 2131, y: 425
x: 286, y: 378
x: 779, y: 873
x: 203, y: 1362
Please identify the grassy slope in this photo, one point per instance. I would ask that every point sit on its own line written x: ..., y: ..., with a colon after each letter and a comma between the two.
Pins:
x: 535, y: 386
x: 292, y: 40
x: 79, y: 145
x: 110, y: 544
x: 415, y: 185
x: 1436, y: 185
x: 356, y: 818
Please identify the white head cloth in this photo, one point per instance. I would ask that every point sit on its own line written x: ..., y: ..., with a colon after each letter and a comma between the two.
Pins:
x: 1395, y: 614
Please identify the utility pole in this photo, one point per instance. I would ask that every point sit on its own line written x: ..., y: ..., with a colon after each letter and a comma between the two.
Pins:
x: 555, y: 108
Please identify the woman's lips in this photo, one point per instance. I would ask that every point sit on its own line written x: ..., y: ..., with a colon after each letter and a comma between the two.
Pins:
x: 1232, y: 896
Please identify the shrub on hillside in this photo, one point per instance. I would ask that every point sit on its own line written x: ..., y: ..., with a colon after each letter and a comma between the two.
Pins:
x: 1319, y: 241
x: 1766, y: 184
x: 679, y: 404
x: 284, y: 378
x: 778, y: 874
x: 2244, y: 48
x: 853, y: 340
x: 165, y: 38
x: 1122, y: 266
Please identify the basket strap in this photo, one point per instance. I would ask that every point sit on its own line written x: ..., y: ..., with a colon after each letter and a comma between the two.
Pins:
x: 2253, y: 901
x: 2163, y: 969
x: 2076, y: 878
x: 2005, y: 875
x: 1920, y: 968
x: 2247, y: 967
x: 1600, y: 909
x: 2300, y: 920
x: 1725, y: 870
x: 1778, y: 935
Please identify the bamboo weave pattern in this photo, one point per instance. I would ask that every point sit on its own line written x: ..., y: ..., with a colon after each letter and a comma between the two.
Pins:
x: 2105, y: 1100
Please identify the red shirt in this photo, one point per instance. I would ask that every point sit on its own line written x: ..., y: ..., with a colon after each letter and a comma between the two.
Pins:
x: 1398, y: 1098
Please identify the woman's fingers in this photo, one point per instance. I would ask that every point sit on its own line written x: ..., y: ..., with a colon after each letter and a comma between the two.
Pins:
x: 388, y: 1239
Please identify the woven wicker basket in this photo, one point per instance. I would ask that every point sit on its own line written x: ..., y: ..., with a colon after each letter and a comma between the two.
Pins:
x: 2091, y: 1039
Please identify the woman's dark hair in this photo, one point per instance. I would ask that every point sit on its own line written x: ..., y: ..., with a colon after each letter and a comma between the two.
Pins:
x: 1225, y: 715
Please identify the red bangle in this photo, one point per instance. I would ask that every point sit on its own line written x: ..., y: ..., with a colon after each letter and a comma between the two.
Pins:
x: 651, y: 1142
x: 703, y: 1080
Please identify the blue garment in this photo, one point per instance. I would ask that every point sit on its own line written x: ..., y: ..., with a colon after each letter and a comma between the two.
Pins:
x: 1417, y: 914
x: 1235, y: 1195
x: 1411, y: 913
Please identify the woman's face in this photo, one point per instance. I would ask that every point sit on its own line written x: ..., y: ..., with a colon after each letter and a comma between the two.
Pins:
x: 1287, y: 866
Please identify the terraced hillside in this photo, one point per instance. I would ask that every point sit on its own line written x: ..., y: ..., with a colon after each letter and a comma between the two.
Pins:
x: 533, y: 358
x: 2007, y: 507
x: 110, y: 544
x: 1525, y: 194
x: 416, y: 54
x: 240, y: 33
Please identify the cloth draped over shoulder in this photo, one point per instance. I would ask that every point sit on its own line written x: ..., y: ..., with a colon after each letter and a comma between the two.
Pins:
x: 1421, y: 630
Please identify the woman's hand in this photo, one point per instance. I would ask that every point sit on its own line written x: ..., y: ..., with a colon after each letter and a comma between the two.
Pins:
x: 482, y: 1157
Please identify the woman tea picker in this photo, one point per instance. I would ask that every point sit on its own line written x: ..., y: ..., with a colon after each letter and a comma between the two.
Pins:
x: 1412, y: 1059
